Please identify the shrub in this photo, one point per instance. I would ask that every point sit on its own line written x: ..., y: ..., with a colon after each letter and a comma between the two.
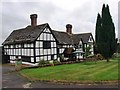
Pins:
x: 99, y: 57
x: 56, y: 62
x: 116, y: 55
x: 87, y: 49
x: 91, y: 56
x: 118, y: 48
x: 61, y: 58
x: 43, y: 63
x: 51, y: 63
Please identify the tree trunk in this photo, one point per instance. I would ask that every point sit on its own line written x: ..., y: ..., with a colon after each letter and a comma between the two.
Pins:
x: 107, y: 60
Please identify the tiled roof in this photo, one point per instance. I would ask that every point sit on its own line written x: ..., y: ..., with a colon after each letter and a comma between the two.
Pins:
x: 65, y: 38
x: 84, y: 36
x: 30, y: 33
x: 62, y: 37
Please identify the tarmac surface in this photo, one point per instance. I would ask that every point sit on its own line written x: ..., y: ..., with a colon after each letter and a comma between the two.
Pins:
x: 12, y: 79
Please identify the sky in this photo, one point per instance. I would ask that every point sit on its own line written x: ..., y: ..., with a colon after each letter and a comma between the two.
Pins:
x: 82, y: 14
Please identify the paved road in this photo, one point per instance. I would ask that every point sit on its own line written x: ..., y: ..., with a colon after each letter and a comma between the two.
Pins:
x: 12, y: 79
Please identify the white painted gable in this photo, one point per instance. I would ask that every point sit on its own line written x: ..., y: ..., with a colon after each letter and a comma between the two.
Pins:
x: 90, y: 39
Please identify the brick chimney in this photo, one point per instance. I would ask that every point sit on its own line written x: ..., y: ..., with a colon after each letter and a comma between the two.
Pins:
x: 69, y: 28
x: 33, y: 18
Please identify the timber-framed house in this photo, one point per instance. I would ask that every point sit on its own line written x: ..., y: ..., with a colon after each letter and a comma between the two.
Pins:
x: 39, y: 42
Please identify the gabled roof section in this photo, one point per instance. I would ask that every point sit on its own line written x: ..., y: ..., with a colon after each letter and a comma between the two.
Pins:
x: 84, y: 36
x: 65, y: 38
x: 62, y: 37
x: 31, y: 33
x: 28, y: 34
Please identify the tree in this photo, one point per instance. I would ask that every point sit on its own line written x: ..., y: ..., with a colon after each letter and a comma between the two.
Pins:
x: 105, y: 34
x: 87, y: 51
x: 98, y: 28
x: 97, y: 33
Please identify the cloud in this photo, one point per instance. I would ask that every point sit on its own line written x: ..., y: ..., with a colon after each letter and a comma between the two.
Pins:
x: 16, y: 15
x: 81, y: 14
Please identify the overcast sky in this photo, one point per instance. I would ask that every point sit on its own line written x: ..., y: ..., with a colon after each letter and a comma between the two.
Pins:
x: 82, y: 14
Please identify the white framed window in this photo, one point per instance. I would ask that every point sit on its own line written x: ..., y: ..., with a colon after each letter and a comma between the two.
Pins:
x: 32, y: 59
x: 25, y: 45
x: 37, y: 44
x: 44, y: 35
x: 55, y: 56
x: 28, y: 52
x: 37, y: 51
x: 49, y: 51
x: 54, y: 44
x: 17, y: 52
x: 32, y: 45
x: 48, y: 36
x: 41, y: 51
x: 37, y: 59
x: 45, y: 51
x: 45, y: 57
x: 23, y: 51
x: 52, y: 38
x: 41, y: 44
x: 11, y: 46
x: 31, y: 52
x: 55, y: 51
x: 49, y: 57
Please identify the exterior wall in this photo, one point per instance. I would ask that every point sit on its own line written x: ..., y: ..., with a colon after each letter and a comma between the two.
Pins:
x: 43, y: 53
x: 34, y: 53
x: 21, y: 50
x: 80, y: 49
x: 90, y: 43
x: 62, y: 48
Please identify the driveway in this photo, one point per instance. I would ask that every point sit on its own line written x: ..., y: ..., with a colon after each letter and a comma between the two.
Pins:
x: 12, y: 79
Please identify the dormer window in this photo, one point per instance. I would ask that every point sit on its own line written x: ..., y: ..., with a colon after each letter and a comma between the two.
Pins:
x: 80, y: 46
x: 22, y: 45
x: 90, y: 39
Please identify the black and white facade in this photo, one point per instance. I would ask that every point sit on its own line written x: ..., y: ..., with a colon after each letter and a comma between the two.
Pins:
x: 40, y: 42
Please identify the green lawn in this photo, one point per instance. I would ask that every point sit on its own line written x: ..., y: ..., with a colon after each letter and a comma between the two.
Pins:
x: 86, y: 71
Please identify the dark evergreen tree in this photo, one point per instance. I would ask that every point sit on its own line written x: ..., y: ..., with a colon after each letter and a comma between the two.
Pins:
x: 105, y: 40
x: 98, y: 28
x: 97, y: 32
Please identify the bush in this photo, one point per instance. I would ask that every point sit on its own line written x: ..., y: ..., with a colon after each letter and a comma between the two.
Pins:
x: 91, y: 56
x: 118, y: 48
x: 43, y: 63
x: 99, y: 57
x: 116, y: 55
x: 56, y: 62
x: 51, y: 63
x: 61, y: 58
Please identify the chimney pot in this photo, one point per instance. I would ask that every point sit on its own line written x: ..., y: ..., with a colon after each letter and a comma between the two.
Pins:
x: 33, y: 18
x: 69, y: 28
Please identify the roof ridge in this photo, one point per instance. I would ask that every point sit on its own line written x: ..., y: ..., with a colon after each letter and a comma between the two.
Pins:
x: 30, y: 26
x: 59, y: 31
x: 83, y: 33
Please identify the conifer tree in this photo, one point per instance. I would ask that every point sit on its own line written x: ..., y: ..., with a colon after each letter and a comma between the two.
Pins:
x: 98, y: 28
x: 105, y: 34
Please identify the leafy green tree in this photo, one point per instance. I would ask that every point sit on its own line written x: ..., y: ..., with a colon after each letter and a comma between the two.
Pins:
x: 87, y: 51
x: 105, y: 34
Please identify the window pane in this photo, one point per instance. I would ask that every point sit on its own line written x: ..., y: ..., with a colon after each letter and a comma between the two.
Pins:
x: 46, y: 45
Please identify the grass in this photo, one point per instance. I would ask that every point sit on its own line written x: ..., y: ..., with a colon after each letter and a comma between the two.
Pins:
x: 86, y: 71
